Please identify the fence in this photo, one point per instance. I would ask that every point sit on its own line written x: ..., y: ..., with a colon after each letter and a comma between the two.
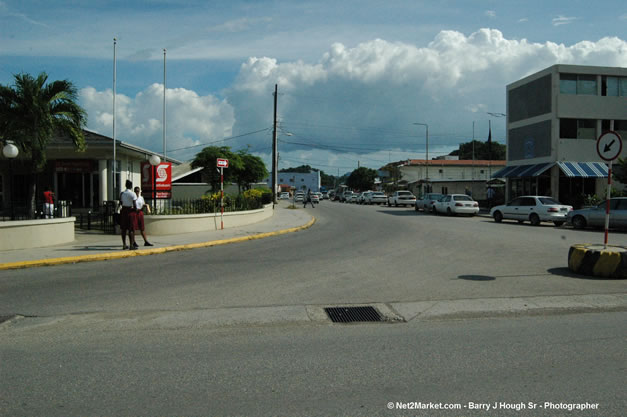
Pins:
x: 21, y: 210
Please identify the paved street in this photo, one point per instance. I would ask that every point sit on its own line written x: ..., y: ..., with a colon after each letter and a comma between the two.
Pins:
x: 238, y: 329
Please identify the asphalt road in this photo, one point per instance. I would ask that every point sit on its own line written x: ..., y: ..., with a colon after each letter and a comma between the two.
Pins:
x: 320, y: 370
x: 353, y: 254
x: 194, y: 332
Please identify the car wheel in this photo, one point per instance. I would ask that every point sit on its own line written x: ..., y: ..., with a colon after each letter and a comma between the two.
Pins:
x: 558, y: 224
x: 534, y: 219
x: 498, y: 216
x: 416, y: 208
x: 579, y: 222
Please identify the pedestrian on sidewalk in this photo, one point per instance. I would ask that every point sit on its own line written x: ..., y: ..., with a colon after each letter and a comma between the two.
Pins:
x: 128, y: 216
x: 308, y: 199
x: 139, y: 205
x: 48, y: 203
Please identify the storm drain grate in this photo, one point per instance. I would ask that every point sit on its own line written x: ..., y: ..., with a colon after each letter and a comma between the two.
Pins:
x: 5, y: 318
x: 352, y: 314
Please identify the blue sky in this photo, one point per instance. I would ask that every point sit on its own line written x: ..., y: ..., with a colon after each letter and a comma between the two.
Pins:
x: 353, y: 75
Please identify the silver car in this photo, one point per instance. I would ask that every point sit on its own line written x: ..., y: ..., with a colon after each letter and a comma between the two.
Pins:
x: 595, y: 216
x: 427, y: 201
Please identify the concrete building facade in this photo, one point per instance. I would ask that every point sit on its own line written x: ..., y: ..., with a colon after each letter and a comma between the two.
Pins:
x: 554, y: 118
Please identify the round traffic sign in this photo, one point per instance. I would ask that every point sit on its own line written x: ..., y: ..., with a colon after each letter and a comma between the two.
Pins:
x: 609, y: 145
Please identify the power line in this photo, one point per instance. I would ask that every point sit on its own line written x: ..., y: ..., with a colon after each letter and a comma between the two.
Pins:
x: 220, y: 140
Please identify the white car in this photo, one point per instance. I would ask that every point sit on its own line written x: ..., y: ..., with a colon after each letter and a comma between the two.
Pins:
x: 299, y: 196
x: 427, y: 201
x: 402, y: 198
x: 453, y: 204
x: 376, y: 197
x: 284, y: 196
x: 532, y: 208
x: 363, y: 197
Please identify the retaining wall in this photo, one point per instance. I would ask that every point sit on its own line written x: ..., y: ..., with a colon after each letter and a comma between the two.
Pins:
x: 25, y: 234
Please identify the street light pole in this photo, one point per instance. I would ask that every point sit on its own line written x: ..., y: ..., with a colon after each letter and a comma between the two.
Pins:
x: 274, y: 150
x: 154, y: 161
x: 10, y: 151
x: 427, y: 155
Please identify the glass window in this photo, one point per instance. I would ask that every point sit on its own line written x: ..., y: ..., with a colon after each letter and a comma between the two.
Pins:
x: 568, y: 128
x: 622, y: 87
x: 586, y: 129
x: 587, y: 84
x: 515, y: 202
x: 568, y: 84
x: 462, y: 198
x: 622, y: 204
x: 611, y: 86
x: 529, y: 202
x: 548, y: 201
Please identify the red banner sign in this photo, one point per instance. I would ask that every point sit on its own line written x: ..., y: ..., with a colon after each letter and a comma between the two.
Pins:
x: 161, y: 181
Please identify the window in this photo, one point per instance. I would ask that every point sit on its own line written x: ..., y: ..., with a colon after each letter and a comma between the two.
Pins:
x: 444, y: 190
x: 577, y: 129
x: 578, y: 84
x: 614, y: 86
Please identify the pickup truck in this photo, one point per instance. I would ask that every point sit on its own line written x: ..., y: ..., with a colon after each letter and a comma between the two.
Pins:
x: 402, y: 198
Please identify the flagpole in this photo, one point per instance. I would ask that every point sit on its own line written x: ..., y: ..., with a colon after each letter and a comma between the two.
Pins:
x: 114, y: 164
x: 164, y: 89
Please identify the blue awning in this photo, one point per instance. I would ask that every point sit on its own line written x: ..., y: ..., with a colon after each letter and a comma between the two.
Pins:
x: 520, y: 171
x: 584, y: 169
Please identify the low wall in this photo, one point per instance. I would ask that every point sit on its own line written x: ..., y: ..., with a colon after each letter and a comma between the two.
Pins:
x: 187, y: 223
x: 25, y: 234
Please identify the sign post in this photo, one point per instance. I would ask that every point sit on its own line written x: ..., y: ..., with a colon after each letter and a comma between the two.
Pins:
x: 222, y: 163
x: 609, y: 146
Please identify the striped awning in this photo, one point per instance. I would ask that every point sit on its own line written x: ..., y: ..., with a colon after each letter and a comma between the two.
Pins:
x: 584, y: 169
x: 520, y: 171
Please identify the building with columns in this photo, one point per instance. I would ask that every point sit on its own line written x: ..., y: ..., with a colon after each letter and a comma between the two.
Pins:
x: 83, y: 178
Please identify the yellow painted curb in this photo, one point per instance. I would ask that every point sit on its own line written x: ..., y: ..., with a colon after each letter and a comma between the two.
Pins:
x: 129, y: 253
x: 598, y: 260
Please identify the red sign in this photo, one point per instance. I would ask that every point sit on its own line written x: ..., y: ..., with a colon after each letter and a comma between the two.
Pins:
x: 162, y: 180
x: 223, y: 163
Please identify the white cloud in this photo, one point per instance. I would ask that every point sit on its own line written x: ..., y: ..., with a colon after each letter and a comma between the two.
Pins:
x: 490, y: 13
x: 523, y: 20
x: 191, y: 118
x: 563, y: 20
x: 364, y: 99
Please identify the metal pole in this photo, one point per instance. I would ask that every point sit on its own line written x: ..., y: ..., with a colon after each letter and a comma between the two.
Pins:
x: 607, y: 203
x: 274, y: 150
x: 154, y: 188
x: 164, y: 88
x: 114, y: 165
x: 221, y: 198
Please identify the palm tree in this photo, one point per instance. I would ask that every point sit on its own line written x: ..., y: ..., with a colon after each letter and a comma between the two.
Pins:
x: 31, y: 112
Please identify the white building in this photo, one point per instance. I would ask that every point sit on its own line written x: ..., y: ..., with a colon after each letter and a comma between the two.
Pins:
x: 554, y: 118
x: 297, y: 181
x: 449, y: 176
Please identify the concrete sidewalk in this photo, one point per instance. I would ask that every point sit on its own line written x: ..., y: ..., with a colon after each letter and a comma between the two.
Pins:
x: 90, y: 246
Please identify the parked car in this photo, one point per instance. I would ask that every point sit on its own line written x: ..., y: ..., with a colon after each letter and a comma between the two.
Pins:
x: 595, y: 216
x: 299, y: 196
x: 363, y: 197
x: 284, y: 196
x: 325, y: 195
x: 404, y: 198
x: 532, y: 208
x: 354, y: 198
x: 426, y: 202
x: 346, y: 196
x: 453, y: 204
x: 376, y: 197
x: 315, y: 198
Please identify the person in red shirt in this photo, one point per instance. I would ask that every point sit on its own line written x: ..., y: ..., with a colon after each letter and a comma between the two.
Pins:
x: 48, y: 203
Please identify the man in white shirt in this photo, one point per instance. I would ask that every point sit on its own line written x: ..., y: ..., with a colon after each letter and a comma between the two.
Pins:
x: 139, y: 205
x: 128, y: 216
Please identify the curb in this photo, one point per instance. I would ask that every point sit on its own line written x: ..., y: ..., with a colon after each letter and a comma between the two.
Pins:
x: 598, y: 260
x: 127, y: 254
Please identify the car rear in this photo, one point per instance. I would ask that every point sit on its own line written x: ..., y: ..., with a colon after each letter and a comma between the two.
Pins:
x: 463, y: 204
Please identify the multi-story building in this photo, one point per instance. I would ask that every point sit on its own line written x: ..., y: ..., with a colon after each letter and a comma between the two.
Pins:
x: 297, y: 181
x: 554, y: 118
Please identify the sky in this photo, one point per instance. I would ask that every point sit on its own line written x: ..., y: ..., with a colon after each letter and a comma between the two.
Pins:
x: 353, y: 76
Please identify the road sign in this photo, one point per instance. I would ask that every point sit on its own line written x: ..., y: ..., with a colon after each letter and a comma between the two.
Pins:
x: 223, y: 163
x: 609, y: 146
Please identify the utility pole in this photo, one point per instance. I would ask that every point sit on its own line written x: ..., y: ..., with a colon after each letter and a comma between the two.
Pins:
x: 274, y: 150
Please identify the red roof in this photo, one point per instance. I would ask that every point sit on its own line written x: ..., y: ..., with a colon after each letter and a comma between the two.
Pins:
x: 456, y: 162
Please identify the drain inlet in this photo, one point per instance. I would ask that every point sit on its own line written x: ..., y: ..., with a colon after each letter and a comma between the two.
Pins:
x: 353, y: 314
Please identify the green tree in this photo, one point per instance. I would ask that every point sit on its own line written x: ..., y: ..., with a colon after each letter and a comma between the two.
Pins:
x: 362, y: 179
x: 208, y: 159
x: 328, y: 181
x: 481, y: 151
x: 253, y: 170
x: 619, y: 171
x: 31, y: 112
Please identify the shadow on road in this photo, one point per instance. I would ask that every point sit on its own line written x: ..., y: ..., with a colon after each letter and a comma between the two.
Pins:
x: 477, y: 277
x: 400, y: 212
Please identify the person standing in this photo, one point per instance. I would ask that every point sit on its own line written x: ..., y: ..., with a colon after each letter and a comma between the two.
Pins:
x: 308, y: 199
x: 128, y: 216
x: 48, y: 203
x: 139, y: 206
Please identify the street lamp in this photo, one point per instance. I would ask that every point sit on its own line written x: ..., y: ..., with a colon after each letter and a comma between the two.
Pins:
x: 154, y: 161
x: 427, y: 154
x: 10, y: 151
